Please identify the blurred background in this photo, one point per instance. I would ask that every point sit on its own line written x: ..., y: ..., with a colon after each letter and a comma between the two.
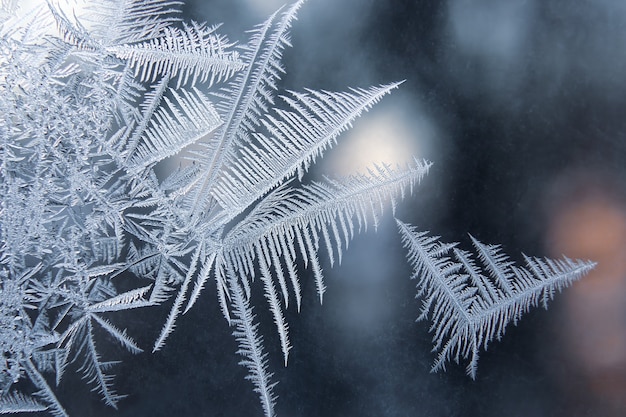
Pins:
x: 521, y: 106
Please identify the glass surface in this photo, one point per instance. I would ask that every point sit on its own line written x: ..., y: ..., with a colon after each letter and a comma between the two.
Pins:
x: 520, y: 105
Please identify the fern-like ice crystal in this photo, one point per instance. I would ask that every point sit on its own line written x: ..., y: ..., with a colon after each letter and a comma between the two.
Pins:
x: 470, y: 306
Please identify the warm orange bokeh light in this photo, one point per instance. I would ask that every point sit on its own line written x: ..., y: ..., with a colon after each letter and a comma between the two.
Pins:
x: 591, y: 224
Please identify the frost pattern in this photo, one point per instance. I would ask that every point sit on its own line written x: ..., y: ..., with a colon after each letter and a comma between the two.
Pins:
x: 91, y: 226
